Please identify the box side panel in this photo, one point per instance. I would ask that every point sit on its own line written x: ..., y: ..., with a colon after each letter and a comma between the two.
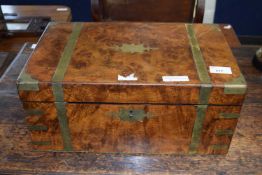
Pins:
x: 45, y: 58
x: 218, y: 129
x: 41, y: 93
x: 34, y: 80
x: 43, y: 126
x: 229, y: 85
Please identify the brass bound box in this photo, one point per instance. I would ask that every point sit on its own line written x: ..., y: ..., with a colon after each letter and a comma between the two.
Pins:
x: 154, y: 88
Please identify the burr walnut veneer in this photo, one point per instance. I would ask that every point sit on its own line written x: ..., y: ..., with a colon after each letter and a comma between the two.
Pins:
x: 132, y: 88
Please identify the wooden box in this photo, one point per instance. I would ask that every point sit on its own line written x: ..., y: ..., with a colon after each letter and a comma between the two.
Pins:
x: 155, y: 88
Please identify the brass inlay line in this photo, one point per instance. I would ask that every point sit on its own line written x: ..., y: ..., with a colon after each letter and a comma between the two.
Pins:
x: 41, y: 143
x: 37, y: 128
x: 222, y: 132
x: 34, y: 112
x: 219, y: 146
x: 229, y: 116
x: 58, y: 88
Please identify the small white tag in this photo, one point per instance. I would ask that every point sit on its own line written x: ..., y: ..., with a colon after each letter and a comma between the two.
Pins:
x: 61, y: 9
x: 227, y: 27
x: 130, y: 77
x: 220, y: 70
x: 33, y: 46
x: 174, y: 78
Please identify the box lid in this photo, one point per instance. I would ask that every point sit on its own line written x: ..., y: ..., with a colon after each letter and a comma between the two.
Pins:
x: 171, y: 63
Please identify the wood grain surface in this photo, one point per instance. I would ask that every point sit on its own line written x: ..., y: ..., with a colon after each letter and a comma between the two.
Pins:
x: 244, y: 156
x: 87, y: 58
x: 99, y: 128
x: 218, y: 131
x: 147, y: 50
x: 166, y: 129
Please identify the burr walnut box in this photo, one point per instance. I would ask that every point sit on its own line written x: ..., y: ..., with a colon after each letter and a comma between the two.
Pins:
x: 153, y: 88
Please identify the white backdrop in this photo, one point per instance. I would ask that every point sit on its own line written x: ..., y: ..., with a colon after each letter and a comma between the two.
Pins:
x: 210, y: 8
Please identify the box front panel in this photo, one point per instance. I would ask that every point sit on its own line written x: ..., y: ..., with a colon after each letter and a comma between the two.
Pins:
x: 119, y: 128
x: 131, y: 128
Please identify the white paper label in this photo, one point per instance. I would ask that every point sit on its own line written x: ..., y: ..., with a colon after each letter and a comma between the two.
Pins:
x: 174, y: 78
x: 130, y: 77
x: 61, y: 9
x: 220, y: 70
x: 33, y: 46
x: 227, y: 27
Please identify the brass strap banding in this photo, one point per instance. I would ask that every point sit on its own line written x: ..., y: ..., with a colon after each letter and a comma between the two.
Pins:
x: 67, y: 54
x: 63, y: 123
x: 204, y: 93
x: 236, y: 86
x: 58, y: 92
x: 197, y: 130
x: 200, y: 66
x: 205, y: 89
x: 58, y: 88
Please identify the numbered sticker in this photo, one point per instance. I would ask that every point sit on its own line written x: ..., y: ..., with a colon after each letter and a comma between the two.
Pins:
x: 61, y: 9
x: 220, y: 70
